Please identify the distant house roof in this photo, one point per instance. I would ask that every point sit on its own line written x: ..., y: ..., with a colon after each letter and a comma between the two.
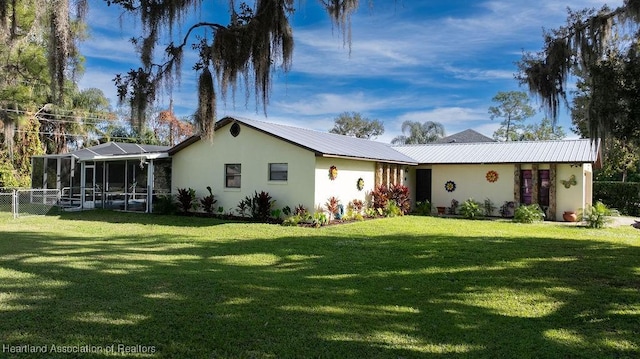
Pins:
x: 116, y: 150
x: 321, y: 143
x: 560, y: 151
x: 466, y: 136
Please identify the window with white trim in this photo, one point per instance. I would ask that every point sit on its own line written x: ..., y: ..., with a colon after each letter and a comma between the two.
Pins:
x: 232, y: 175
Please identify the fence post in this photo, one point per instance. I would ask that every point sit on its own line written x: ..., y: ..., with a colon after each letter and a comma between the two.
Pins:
x: 14, y: 203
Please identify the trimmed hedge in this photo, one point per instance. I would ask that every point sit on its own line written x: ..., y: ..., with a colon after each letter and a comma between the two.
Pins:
x: 623, y: 196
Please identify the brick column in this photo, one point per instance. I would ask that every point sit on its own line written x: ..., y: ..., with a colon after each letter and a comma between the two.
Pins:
x: 378, y: 178
x: 552, y: 191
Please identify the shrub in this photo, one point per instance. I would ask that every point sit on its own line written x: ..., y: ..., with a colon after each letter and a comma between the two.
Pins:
x: 244, y: 206
x: 357, y: 205
x: 332, y: 206
x: 528, y: 213
x: 261, y: 205
x: 392, y: 210
x: 208, y: 201
x: 471, y: 209
x: 300, y: 210
x: 597, y: 215
x: 187, y: 199
x: 423, y: 208
x: 625, y: 196
x: 164, y: 204
x: 380, y: 196
x: 489, y: 207
x: 371, y: 212
x: 399, y: 194
x: 276, y: 213
x: 319, y: 219
x: 292, y: 221
x: 286, y: 210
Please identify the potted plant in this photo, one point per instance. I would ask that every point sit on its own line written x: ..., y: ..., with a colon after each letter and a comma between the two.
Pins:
x: 570, y: 216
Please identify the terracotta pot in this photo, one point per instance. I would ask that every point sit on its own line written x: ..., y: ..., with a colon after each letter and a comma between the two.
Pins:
x: 570, y: 216
x: 440, y: 210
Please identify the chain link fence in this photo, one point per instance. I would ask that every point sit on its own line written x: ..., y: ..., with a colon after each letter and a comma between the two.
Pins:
x: 28, y: 202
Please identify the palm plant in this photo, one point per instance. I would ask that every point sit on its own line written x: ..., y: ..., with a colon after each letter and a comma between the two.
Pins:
x: 419, y: 133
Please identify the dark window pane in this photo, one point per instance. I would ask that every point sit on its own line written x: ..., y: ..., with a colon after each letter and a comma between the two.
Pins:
x: 278, y: 171
x: 232, y: 175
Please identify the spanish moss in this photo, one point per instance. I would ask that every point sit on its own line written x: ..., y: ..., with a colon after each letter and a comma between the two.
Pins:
x: 257, y: 40
x: 582, y: 45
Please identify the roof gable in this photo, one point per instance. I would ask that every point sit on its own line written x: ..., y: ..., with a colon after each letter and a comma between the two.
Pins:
x: 321, y: 143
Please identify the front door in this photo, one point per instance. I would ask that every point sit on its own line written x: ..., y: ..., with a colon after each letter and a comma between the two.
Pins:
x: 423, y: 185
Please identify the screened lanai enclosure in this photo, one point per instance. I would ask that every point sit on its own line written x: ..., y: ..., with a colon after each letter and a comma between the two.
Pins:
x: 122, y: 176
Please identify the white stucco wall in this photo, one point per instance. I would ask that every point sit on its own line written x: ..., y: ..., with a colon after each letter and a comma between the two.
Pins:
x: 344, y: 186
x: 203, y: 164
x: 574, y: 197
x: 471, y: 182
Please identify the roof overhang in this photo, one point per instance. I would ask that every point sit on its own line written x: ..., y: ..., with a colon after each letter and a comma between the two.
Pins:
x: 138, y: 156
x: 368, y: 159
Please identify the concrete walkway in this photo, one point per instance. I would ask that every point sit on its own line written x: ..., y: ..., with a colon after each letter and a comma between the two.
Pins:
x: 625, y: 221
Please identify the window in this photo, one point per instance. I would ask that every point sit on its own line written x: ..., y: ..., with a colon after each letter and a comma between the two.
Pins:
x: 278, y: 171
x: 235, y: 130
x: 527, y: 186
x: 232, y: 175
x: 543, y: 193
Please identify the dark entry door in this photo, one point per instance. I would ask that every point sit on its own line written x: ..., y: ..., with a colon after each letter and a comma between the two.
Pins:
x: 423, y: 185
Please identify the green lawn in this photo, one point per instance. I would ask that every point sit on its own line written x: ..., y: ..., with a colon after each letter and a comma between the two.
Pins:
x: 410, y: 287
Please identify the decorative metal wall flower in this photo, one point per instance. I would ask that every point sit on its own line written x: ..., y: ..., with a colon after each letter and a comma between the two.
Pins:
x: 492, y: 176
x: 333, y: 172
x: 450, y: 186
x: 360, y: 184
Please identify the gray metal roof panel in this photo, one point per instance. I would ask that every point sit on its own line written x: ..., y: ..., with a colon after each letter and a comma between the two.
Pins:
x: 582, y: 150
x: 116, y: 149
x: 325, y: 143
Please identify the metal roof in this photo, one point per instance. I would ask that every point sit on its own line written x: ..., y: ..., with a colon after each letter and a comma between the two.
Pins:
x: 567, y: 151
x: 117, y: 150
x: 322, y: 143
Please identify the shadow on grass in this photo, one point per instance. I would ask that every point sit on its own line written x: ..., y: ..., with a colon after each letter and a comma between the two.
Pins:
x: 110, y: 216
x: 322, y: 296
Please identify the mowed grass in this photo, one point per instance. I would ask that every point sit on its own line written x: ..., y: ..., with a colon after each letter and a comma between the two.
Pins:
x: 409, y: 287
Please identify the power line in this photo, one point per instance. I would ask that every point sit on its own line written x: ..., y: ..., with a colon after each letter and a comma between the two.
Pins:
x: 59, y: 115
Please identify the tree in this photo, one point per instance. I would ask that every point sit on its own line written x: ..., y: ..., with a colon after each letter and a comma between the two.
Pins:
x: 584, y: 45
x: 42, y: 29
x: 353, y: 124
x: 246, y: 50
x: 543, y: 131
x: 170, y: 130
x: 621, y: 161
x: 419, y: 133
x: 513, y: 107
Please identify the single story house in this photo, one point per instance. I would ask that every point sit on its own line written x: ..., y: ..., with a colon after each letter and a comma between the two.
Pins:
x: 299, y: 166
x: 292, y: 164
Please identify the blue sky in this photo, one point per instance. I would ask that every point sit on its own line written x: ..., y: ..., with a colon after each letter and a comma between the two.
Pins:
x: 410, y: 60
